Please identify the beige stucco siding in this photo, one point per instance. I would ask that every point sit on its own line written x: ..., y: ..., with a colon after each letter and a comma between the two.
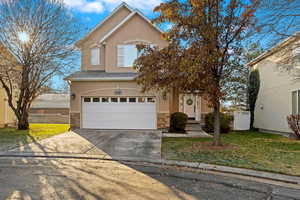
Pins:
x: 135, y: 30
x: 128, y: 88
x: 96, y: 36
x: 6, y: 114
x: 274, y: 101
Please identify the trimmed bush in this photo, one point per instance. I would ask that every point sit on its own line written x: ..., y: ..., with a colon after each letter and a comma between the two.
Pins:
x: 178, y: 122
x: 224, y: 123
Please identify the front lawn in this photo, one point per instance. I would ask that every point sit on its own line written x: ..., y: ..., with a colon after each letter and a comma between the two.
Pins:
x: 10, y: 137
x: 253, y: 150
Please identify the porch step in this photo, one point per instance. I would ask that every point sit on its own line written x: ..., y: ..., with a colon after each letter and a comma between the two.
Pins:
x: 192, y: 121
x: 193, y: 127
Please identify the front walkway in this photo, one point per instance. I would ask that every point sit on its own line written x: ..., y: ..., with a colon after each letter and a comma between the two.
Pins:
x: 108, y: 143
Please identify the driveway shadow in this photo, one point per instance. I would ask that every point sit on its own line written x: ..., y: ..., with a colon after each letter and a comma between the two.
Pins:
x: 124, y: 143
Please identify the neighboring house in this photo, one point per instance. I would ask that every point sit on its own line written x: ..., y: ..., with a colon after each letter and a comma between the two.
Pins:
x: 7, y: 116
x: 279, y: 94
x: 104, y: 94
x: 50, y: 108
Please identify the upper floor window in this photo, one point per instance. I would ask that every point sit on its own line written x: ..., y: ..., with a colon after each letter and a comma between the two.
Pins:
x: 296, y: 55
x: 127, y: 54
x: 296, y: 102
x: 95, y: 56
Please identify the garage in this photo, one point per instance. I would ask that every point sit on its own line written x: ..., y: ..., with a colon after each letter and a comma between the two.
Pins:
x: 119, y: 112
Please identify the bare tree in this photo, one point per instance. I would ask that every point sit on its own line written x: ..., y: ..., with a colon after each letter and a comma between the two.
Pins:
x: 279, y: 19
x: 39, y: 34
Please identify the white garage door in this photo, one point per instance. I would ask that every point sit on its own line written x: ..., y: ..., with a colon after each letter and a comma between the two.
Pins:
x: 119, y: 113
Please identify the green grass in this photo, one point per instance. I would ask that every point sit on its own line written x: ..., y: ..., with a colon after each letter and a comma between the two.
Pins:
x: 10, y: 137
x: 253, y: 150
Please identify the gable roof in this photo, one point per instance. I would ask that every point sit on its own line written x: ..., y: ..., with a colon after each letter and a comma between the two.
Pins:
x: 133, y: 12
x: 127, y: 19
x: 123, y: 4
x: 274, y: 49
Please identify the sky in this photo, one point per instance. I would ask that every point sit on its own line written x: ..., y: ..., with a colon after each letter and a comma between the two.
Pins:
x: 91, y: 12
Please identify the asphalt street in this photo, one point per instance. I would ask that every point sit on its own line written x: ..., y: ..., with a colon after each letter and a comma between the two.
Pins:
x: 31, y: 178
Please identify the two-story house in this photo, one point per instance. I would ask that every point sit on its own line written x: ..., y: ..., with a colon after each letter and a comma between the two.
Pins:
x: 279, y: 93
x: 7, y: 116
x: 105, y: 95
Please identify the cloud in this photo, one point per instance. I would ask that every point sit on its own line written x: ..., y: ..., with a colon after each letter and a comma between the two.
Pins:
x: 144, y: 5
x: 85, y: 6
x: 99, y: 6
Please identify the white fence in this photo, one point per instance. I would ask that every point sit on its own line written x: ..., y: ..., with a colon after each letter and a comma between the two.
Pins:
x: 241, y: 120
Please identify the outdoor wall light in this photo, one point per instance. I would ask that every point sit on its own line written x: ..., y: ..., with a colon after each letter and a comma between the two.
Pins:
x: 164, y: 95
x: 261, y: 106
x: 73, y: 96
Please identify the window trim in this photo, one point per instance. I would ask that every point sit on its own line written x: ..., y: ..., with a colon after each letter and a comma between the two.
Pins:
x: 297, y: 101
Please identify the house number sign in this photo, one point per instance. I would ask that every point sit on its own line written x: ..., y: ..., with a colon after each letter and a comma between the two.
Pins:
x: 118, y: 92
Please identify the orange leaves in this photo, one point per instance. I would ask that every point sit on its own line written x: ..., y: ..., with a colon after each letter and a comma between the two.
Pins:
x: 164, y: 36
x: 195, y: 3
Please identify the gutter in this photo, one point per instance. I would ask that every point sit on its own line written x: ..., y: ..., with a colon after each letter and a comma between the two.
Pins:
x: 102, y: 79
x: 273, y: 50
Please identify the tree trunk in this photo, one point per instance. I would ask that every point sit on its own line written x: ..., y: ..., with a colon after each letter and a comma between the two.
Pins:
x: 23, y: 123
x: 251, y: 118
x: 217, y: 140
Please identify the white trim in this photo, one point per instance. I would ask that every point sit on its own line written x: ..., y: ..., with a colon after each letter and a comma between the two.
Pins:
x: 124, y: 21
x: 197, y: 111
x: 297, y: 101
x: 137, y: 41
x: 273, y: 49
x: 116, y: 88
x: 123, y: 4
x: 117, y: 27
x: 103, y: 79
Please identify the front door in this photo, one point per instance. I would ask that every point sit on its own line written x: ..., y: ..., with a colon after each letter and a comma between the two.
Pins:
x: 190, y: 106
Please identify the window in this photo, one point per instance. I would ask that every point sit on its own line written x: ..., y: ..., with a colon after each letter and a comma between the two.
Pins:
x: 96, y: 99
x: 141, y: 99
x: 296, y: 102
x: 151, y: 100
x: 105, y: 99
x: 296, y: 55
x: 95, y: 56
x: 87, y: 99
x: 114, y: 100
x: 123, y: 99
x: 127, y: 54
x: 132, y: 100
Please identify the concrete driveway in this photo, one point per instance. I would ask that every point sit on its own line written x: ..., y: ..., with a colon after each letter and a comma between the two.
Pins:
x: 113, y: 144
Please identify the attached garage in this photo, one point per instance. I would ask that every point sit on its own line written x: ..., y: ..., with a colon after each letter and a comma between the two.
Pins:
x: 119, y: 113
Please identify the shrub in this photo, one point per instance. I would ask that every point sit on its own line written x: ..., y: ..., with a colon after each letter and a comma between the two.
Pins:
x: 225, y: 121
x: 294, y: 124
x: 178, y: 122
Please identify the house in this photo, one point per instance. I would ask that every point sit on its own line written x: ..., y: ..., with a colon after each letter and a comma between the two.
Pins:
x: 7, y: 116
x: 105, y: 95
x: 279, y: 94
x: 50, y: 108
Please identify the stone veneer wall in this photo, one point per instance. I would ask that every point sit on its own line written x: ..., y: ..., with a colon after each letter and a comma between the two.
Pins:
x: 75, y: 120
x: 163, y: 120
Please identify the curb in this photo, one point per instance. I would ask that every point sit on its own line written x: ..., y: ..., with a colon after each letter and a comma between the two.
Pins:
x: 194, y: 165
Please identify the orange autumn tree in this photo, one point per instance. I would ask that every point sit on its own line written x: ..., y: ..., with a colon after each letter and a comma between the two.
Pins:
x: 203, y: 37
